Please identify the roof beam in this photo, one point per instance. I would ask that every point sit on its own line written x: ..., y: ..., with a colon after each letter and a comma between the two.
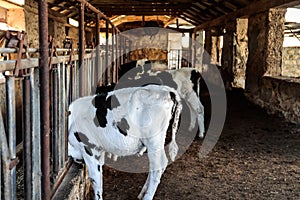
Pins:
x: 188, y: 19
x: 196, y: 15
x: 192, y: 18
x: 252, y: 8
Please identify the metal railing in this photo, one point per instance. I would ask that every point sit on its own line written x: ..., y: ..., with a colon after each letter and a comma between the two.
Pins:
x: 178, y: 58
x: 67, y: 78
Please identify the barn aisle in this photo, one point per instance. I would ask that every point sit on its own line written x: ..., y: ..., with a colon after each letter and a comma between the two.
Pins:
x: 257, y: 157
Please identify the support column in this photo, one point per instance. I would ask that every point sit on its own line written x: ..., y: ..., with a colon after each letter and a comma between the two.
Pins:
x: 265, y: 33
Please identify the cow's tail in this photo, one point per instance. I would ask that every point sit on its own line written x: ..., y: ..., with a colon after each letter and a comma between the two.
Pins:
x: 176, y: 111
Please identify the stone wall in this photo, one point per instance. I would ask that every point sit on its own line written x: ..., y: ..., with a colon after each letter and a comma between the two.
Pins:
x: 264, y: 85
x: 58, y: 31
x: 256, y: 60
x: 280, y: 96
x: 291, y: 62
x: 265, y: 33
x: 55, y: 27
x: 240, y: 50
x: 32, y: 23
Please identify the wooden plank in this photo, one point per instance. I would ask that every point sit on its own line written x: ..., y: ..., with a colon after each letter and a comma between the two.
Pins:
x: 253, y: 8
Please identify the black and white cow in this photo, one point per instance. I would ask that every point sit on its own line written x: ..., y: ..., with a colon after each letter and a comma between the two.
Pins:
x: 123, y: 122
x: 184, y: 80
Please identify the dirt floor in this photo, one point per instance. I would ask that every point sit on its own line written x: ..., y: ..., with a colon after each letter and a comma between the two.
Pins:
x: 256, y: 157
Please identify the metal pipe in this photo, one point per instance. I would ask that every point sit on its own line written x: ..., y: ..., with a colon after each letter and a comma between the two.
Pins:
x: 27, y: 154
x: 81, y: 50
x: 106, y: 68
x: 1, y: 171
x: 35, y: 134
x: 54, y: 122
x: 112, y: 80
x: 11, y: 127
x: 36, y: 50
x: 44, y: 98
x: 5, y: 162
x: 117, y: 56
x: 95, y: 10
x: 62, y: 106
x: 97, y: 55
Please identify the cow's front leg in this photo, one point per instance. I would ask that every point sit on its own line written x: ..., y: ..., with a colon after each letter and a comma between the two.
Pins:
x: 95, y: 173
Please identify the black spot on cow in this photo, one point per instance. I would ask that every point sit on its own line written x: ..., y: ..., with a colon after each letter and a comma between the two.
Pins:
x: 77, y: 136
x: 195, y: 76
x: 112, y: 102
x: 88, y: 150
x: 105, y: 89
x: 81, y: 138
x: 84, y: 139
x: 123, y: 126
x: 102, y: 103
x: 130, y: 78
x: 99, y: 168
x: 167, y: 79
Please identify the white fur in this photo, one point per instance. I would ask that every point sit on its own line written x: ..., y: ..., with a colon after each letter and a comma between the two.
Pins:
x: 148, y: 111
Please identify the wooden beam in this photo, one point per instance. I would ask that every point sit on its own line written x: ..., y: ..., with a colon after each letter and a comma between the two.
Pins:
x: 142, y: 12
x: 132, y: 2
x: 191, y: 18
x: 196, y: 16
x: 170, y: 21
x: 252, y: 8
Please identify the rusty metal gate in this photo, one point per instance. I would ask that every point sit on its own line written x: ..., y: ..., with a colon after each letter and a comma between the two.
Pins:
x: 49, y: 83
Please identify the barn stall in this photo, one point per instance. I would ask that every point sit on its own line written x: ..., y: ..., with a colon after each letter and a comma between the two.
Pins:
x: 257, y: 155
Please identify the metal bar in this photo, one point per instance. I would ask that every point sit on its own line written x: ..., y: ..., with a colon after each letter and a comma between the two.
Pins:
x: 11, y: 127
x: 36, y: 50
x: 68, y: 84
x: 106, y: 68
x: 62, y: 105
x: 27, y: 154
x: 6, y: 185
x: 1, y: 171
x: 97, y: 56
x: 81, y: 49
x: 95, y: 10
x: 35, y: 134
x: 117, y: 55
x: 76, y: 78
x: 54, y: 122
x: 44, y: 98
x: 112, y: 80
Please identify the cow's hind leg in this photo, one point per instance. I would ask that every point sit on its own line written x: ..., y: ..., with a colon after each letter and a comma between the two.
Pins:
x: 144, y: 189
x: 94, y: 164
x: 158, y: 162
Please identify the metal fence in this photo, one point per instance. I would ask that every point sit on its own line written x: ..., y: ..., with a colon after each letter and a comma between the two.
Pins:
x: 68, y: 81
x: 178, y: 58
